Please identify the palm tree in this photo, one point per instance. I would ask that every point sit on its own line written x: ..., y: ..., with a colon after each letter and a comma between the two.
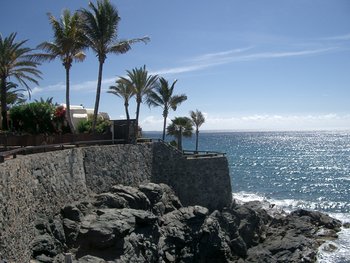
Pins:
x: 101, y: 29
x: 124, y: 91
x: 163, y: 97
x: 197, y: 120
x: 16, y: 61
x: 68, y: 45
x: 142, y: 85
x: 180, y: 126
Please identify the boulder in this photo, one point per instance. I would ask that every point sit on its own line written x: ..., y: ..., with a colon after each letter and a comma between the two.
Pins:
x: 162, y: 197
x: 133, y: 196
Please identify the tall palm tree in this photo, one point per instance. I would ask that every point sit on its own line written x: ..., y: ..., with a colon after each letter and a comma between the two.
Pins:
x: 142, y: 85
x: 163, y: 97
x: 101, y: 29
x: 68, y: 45
x: 16, y: 61
x: 197, y: 120
x: 180, y: 126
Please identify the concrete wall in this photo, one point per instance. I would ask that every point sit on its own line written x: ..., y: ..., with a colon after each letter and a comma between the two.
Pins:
x: 41, y: 184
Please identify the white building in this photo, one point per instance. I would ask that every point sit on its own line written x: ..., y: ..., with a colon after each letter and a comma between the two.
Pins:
x: 79, y: 113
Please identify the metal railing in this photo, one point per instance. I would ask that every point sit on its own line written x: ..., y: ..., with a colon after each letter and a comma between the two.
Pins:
x: 49, y: 148
x: 8, y: 153
x: 185, y: 153
x: 202, y: 154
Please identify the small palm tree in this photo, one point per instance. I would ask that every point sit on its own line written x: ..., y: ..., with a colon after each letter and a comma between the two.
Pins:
x: 101, y: 29
x: 124, y: 91
x: 197, y: 120
x: 142, y: 85
x: 68, y: 45
x: 163, y: 97
x: 180, y: 126
x: 16, y: 61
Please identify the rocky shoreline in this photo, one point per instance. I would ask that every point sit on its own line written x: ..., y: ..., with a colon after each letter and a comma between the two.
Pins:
x: 149, y: 224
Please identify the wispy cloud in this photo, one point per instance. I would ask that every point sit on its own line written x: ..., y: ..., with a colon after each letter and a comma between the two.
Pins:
x: 86, y: 86
x: 208, y: 60
x: 338, y: 38
x: 222, y: 54
x: 238, y: 55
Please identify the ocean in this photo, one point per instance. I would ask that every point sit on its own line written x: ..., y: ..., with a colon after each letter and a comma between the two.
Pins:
x: 309, y: 170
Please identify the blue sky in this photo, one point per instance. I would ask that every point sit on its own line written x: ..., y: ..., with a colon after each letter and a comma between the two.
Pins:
x: 248, y: 65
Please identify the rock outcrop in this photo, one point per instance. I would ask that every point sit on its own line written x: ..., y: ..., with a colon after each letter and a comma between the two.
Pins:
x: 149, y: 224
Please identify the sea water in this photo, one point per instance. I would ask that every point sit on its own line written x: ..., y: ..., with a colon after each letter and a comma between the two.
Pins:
x: 309, y: 170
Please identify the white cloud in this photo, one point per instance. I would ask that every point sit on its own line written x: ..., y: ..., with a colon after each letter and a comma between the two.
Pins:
x: 152, y: 123
x: 278, y: 122
x: 36, y: 90
x: 51, y: 88
x: 86, y: 86
x: 262, y: 122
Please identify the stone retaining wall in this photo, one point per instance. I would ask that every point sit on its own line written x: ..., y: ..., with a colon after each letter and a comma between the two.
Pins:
x: 201, y: 181
x: 35, y: 186
x: 39, y: 185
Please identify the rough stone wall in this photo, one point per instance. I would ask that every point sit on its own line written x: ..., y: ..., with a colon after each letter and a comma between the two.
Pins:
x: 117, y: 164
x: 33, y: 186
x: 202, y: 181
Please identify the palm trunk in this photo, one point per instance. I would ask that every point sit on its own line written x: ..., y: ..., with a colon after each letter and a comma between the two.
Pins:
x: 98, y: 95
x: 164, y: 125
x: 138, y: 101
x: 197, y: 134
x: 3, y: 104
x: 179, y: 140
x: 126, y: 105
x: 69, y: 117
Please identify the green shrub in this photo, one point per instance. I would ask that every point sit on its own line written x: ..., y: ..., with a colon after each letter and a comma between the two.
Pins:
x: 39, y: 117
x: 102, y: 125
x: 84, y: 126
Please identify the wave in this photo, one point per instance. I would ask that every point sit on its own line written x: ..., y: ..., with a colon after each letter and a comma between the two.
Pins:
x: 336, y: 251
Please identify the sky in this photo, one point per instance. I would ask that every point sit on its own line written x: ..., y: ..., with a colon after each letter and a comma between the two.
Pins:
x: 246, y: 64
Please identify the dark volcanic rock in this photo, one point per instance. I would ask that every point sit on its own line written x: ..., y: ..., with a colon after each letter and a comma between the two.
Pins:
x: 162, y: 198
x: 149, y: 224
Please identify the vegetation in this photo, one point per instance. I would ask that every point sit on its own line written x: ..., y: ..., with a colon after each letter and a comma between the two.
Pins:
x: 197, y: 120
x: 125, y: 91
x: 17, y: 62
x: 68, y: 44
x: 163, y: 97
x: 33, y: 118
x: 180, y: 126
x: 14, y: 96
x: 96, y: 28
x: 101, y: 27
x: 102, y: 125
x: 142, y: 84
